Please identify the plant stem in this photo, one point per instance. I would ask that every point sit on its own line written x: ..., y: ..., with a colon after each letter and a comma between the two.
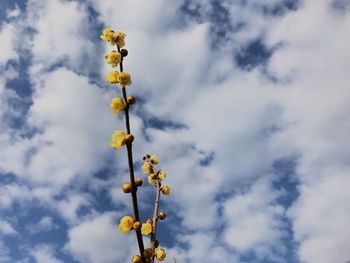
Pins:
x: 155, y: 219
x: 131, y: 170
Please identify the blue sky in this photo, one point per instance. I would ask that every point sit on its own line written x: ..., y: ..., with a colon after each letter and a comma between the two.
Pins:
x: 246, y: 103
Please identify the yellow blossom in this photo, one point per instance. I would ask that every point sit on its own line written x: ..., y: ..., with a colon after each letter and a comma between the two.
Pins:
x: 161, y: 175
x: 166, y: 190
x: 146, y: 168
x: 124, y: 79
x: 126, y: 224
x: 151, y: 181
x: 118, y: 140
x: 113, y: 58
x: 146, y: 229
x: 117, y: 105
x: 154, y: 159
x: 160, y: 254
x: 112, y: 77
x: 118, y: 39
x: 107, y: 34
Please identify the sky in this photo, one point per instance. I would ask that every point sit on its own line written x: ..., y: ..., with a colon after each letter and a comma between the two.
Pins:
x: 245, y: 102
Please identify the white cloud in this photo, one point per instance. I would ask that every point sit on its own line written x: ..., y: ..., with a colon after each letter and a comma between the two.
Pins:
x: 7, y: 36
x: 200, y: 247
x: 4, y: 253
x: 70, y: 111
x: 44, y: 254
x: 98, y: 240
x: 57, y: 39
x: 321, y: 212
x: 45, y: 224
x: 6, y: 228
x: 254, y: 222
x: 10, y: 193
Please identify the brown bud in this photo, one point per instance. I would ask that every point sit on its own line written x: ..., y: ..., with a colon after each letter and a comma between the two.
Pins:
x: 148, y: 253
x: 149, y: 221
x: 131, y: 100
x: 162, y: 215
x: 126, y: 188
x: 137, y: 225
x: 129, y: 138
x: 124, y: 52
x: 153, y: 176
x: 156, y: 243
x: 138, y: 181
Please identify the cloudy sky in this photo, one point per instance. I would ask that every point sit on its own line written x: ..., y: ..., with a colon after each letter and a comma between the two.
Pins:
x: 246, y: 103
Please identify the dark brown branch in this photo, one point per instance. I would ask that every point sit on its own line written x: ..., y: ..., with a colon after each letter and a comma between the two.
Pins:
x: 131, y: 170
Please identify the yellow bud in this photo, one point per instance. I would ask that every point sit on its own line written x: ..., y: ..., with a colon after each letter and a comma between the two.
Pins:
x: 153, y: 176
x: 137, y: 225
x: 160, y: 254
x: 131, y: 100
x: 129, y: 138
x: 154, y: 159
x: 136, y: 259
x: 138, y: 182
x: 166, y: 190
x: 126, y: 188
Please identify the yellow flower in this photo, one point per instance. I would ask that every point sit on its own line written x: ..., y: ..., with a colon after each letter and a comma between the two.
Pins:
x: 107, y: 34
x: 118, y: 39
x: 151, y: 181
x: 166, y: 190
x: 117, y: 105
x: 154, y: 159
x: 118, y: 140
x: 146, y: 168
x: 112, y: 77
x: 146, y: 229
x: 124, y: 79
x: 161, y: 175
x: 113, y: 58
x: 160, y: 254
x: 126, y: 224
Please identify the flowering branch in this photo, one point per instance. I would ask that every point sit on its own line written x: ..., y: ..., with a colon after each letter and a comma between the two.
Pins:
x: 119, y: 139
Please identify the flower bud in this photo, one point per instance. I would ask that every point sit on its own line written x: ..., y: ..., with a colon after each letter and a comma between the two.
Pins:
x: 129, y: 138
x: 156, y: 243
x: 166, y: 190
x: 131, y: 100
x: 124, y: 52
x: 126, y: 188
x: 137, y: 225
x: 162, y: 215
x: 153, y: 176
x: 138, y: 182
x: 136, y: 259
x: 148, y: 253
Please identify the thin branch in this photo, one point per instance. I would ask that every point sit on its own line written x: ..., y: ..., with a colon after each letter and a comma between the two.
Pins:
x: 131, y: 170
x: 155, y: 218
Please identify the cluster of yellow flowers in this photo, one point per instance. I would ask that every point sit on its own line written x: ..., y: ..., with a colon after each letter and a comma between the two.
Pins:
x: 120, y: 139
